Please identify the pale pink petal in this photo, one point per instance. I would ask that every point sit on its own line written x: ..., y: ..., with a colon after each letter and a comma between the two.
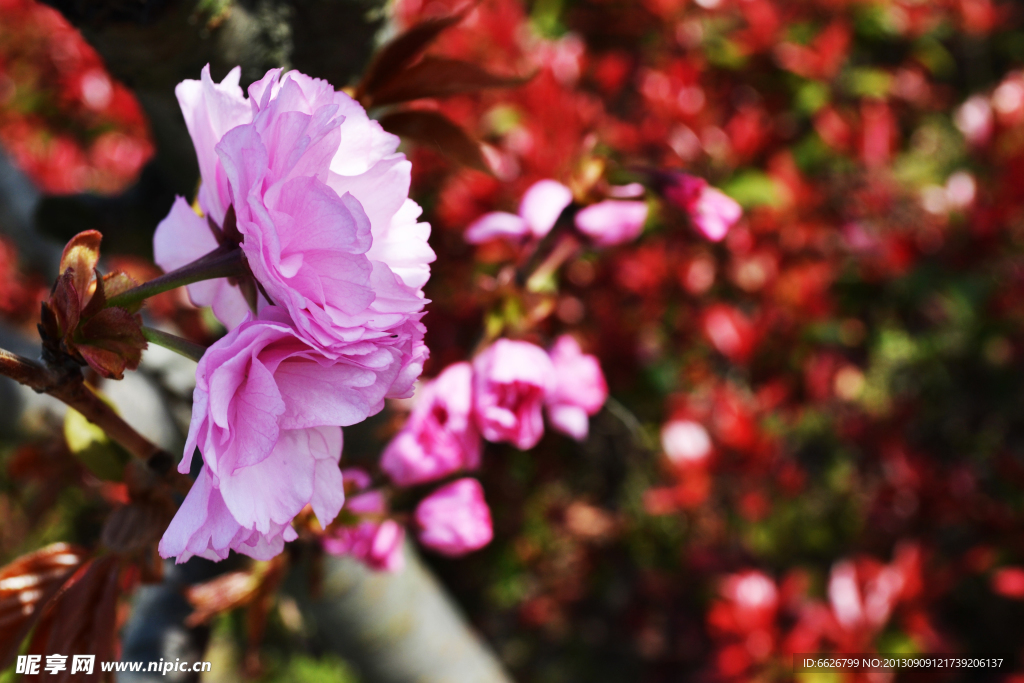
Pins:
x: 569, y: 420
x: 328, y: 483
x: 278, y: 487
x: 612, y: 222
x: 542, y: 204
x: 181, y: 238
x: 320, y: 394
x: 715, y: 213
x: 211, y: 110
x: 497, y: 225
x: 363, y: 142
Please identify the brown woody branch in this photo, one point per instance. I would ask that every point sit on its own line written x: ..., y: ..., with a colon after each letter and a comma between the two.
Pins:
x: 70, y: 387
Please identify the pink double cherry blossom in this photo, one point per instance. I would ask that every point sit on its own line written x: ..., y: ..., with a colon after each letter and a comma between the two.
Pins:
x: 320, y: 202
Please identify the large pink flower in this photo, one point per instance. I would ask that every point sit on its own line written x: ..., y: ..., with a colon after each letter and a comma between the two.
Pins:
x: 267, y: 413
x: 455, y: 519
x: 440, y: 436
x: 579, y: 388
x: 511, y: 379
x: 321, y: 203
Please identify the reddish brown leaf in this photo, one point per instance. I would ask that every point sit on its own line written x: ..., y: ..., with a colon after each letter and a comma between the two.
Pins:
x: 81, y: 618
x: 440, y: 77
x: 400, y: 52
x: 226, y: 592
x: 25, y: 586
x: 111, y: 342
x: 65, y: 303
x: 81, y: 255
x: 431, y: 128
x: 110, y: 286
x: 134, y: 526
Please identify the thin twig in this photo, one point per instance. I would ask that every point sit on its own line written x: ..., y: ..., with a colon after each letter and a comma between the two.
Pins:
x: 70, y: 388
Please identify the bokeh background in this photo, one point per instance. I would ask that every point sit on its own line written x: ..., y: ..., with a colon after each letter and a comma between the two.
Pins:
x: 815, y: 441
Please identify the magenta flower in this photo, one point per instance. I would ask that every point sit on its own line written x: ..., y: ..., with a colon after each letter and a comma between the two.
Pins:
x: 374, y: 541
x: 455, y: 519
x: 511, y: 379
x: 440, y: 436
x: 612, y: 221
x: 579, y: 388
x: 711, y: 210
x: 539, y: 210
x: 321, y: 204
x: 266, y: 416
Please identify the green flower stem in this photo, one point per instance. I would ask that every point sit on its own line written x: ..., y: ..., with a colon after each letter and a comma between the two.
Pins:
x: 169, y: 341
x: 221, y: 262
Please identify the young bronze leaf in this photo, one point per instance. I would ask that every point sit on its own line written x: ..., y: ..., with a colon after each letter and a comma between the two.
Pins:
x: 80, y: 619
x: 134, y: 526
x: 440, y: 77
x: 111, y: 342
x: 431, y: 128
x: 400, y: 52
x: 109, y: 286
x: 226, y: 592
x: 81, y: 255
x: 25, y: 586
x: 65, y: 304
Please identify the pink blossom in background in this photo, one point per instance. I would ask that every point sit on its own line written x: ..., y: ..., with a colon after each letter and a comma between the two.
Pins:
x: 539, y: 210
x: 378, y: 545
x: 440, y: 436
x: 685, y: 442
x: 612, y: 222
x: 730, y: 332
x: 321, y: 200
x: 376, y: 542
x: 267, y: 414
x: 711, y: 210
x: 455, y: 519
x: 975, y: 120
x: 511, y: 379
x: 579, y: 388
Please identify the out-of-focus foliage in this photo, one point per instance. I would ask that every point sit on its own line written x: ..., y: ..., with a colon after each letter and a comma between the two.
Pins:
x: 65, y: 121
x: 845, y: 365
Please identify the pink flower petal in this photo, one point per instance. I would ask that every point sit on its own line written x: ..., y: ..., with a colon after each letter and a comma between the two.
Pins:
x: 542, y: 204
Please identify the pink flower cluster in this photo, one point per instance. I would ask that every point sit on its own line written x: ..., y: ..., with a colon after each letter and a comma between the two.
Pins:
x: 500, y: 398
x: 316, y: 197
x: 453, y: 520
x: 611, y: 221
x: 606, y: 223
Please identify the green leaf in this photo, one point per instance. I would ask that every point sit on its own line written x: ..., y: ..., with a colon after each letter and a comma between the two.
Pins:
x: 752, y: 189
